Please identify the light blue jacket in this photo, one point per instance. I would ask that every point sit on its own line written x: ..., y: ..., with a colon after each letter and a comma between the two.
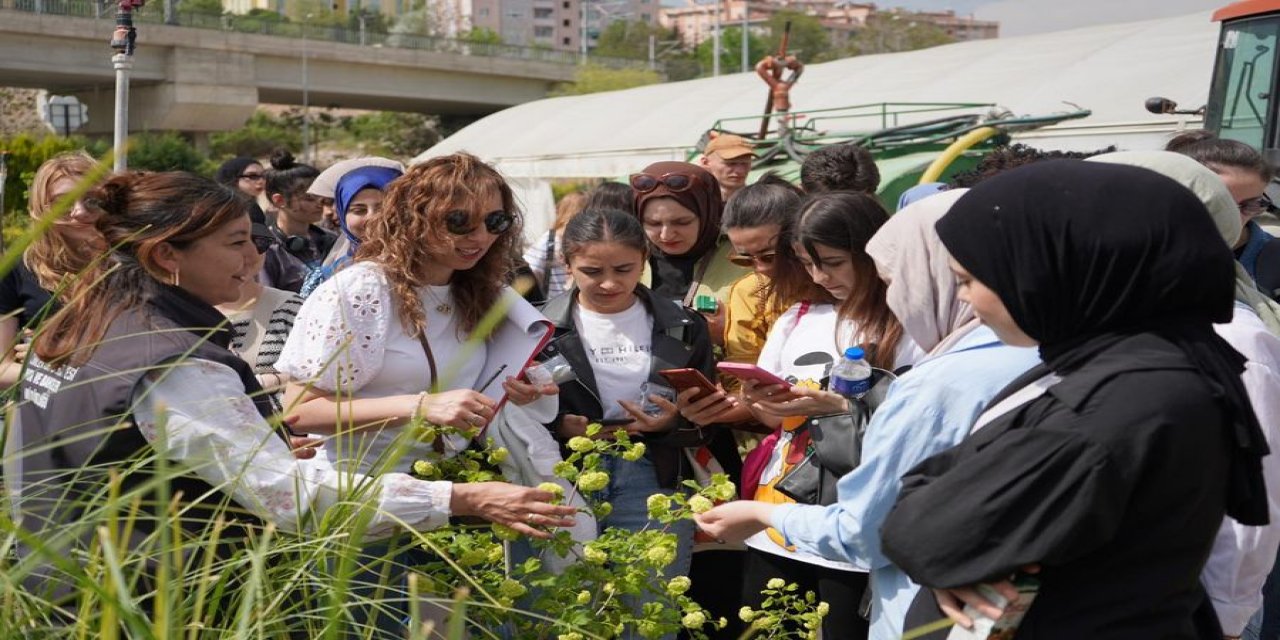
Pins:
x: 928, y: 410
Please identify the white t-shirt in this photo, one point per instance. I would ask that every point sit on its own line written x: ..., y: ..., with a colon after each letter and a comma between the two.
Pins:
x: 619, y: 347
x: 348, y: 340
x: 802, y: 350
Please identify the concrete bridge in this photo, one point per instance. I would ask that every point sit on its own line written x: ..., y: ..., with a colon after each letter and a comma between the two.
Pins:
x: 206, y: 79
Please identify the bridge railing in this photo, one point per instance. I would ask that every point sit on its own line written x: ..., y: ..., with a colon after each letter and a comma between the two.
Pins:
x: 154, y: 14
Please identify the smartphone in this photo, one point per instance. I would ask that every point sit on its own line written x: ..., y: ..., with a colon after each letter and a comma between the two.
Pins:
x: 744, y: 371
x: 683, y: 379
x: 705, y: 304
x: 615, y: 422
x: 1006, y: 626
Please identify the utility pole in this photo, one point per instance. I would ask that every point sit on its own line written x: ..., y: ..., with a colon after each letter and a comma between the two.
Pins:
x: 582, y: 44
x: 4, y: 175
x: 746, y: 36
x: 715, y: 38
x: 122, y: 42
x: 306, y: 95
x: 653, y: 52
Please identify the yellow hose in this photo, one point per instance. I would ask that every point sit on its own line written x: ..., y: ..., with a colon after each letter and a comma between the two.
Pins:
x: 952, y: 152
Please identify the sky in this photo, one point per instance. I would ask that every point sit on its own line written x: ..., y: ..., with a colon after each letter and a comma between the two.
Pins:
x: 1022, y: 17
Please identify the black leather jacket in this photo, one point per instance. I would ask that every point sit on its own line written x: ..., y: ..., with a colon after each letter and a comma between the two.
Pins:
x: 680, y: 340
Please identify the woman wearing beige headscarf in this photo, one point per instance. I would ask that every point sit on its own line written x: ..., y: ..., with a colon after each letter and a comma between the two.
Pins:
x: 928, y: 409
x: 1241, y: 555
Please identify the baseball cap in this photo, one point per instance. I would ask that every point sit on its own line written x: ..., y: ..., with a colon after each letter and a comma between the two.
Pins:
x: 729, y: 146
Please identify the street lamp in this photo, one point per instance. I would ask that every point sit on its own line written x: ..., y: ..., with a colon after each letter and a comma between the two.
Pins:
x: 122, y: 42
x: 746, y: 36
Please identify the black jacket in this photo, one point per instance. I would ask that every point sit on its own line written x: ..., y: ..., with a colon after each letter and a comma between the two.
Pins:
x: 680, y: 340
x: 1114, y: 481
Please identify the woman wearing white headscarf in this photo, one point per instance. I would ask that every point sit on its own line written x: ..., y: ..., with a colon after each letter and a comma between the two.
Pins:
x: 1242, y: 555
x: 927, y: 410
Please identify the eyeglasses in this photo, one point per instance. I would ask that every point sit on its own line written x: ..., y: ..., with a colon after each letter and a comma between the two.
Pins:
x: 252, y: 176
x: 676, y: 182
x: 496, y: 222
x: 263, y: 243
x: 750, y: 260
x: 1255, y: 206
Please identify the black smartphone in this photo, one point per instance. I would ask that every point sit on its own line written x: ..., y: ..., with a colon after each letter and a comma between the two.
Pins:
x: 616, y: 422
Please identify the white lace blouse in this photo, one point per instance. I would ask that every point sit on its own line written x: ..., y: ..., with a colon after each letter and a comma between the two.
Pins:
x: 348, y: 340
x: 212, y: 427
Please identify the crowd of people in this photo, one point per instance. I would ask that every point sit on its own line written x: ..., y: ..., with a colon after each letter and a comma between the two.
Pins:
x: 1081, y: 382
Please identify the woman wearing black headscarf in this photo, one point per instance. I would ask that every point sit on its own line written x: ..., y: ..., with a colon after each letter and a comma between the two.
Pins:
x: 1108, y: 468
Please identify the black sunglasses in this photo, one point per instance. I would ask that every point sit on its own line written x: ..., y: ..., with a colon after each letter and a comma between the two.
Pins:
x: 496, y: 222
x: 676, y: 182
x: 252, y: 176
x: 263, y: 243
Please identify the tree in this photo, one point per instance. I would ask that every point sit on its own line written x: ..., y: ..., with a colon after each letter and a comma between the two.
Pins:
x: 629, y: 39
x: 164, y: 152
x: 896, y: 31
x: 396, y: 134
x: 481, y: 35
x: 211, y: 7
x: 731, y: 50
x: 809, y: 40
x: 261, y: 135
x: 594, y: 78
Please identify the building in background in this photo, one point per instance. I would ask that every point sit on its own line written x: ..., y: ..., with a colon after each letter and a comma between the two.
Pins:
x: 558, y: 24
x: 695, y: 22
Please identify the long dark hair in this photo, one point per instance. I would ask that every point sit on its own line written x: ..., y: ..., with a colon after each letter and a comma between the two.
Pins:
x: 602, y: 225
x: 773, y: 201
x: 846, y: 220
x: 140, y: 211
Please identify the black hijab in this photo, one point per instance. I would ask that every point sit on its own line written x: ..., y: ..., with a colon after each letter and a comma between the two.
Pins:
x: 229, y: 172
x: 1083, y: 255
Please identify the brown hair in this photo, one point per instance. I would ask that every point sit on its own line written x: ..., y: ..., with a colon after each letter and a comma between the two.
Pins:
x: 846, y: 220
x: 141, y: 211
x: 412, y: 221
x: 51, y: 257
x: 569, y: 206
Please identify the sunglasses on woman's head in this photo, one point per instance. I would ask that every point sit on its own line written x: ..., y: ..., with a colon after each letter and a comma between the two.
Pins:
x: 750, y: 260
x: 675, y: 182
x: 496, y: 222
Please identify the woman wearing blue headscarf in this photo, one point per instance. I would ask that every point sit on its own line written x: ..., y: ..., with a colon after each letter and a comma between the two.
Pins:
x: 357, y: 196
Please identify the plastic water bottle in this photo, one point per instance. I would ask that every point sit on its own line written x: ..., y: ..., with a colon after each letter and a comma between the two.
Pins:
x: 851, y: 377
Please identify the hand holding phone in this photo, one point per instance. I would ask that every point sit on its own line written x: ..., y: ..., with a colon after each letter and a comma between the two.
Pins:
x: 683, y: 379
x: 744, y: 371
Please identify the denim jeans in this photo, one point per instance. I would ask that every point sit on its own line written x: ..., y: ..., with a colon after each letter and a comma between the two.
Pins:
x: 630, y: 485
x: 1265, y: 624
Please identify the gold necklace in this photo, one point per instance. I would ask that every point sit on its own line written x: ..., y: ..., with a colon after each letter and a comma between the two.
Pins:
x: 443, y: 308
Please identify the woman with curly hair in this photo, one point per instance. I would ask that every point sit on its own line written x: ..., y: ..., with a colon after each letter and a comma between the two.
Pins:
x: 383, y: 340
x: 28, y: 290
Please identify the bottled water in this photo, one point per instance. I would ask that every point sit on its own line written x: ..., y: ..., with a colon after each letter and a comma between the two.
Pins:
x: 851, y: 377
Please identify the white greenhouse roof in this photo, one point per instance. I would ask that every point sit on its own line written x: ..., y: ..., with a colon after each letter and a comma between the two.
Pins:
x: 1108, y: 69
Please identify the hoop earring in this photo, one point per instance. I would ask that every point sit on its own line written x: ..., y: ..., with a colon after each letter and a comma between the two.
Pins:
x: 173, y: 278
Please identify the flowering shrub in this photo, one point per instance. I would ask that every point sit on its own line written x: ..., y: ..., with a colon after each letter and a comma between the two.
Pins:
x: 784, y: 613
x: 595, y: 595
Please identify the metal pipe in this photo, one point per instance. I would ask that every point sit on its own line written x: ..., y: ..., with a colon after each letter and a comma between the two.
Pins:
x: 952, y: 152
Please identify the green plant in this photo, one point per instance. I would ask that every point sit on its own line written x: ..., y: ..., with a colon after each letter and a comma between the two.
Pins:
x: 261, y: 135
x: 785, y: 613
x: 167, y: 151
x: 592, y: 78
x: 594, y: 595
